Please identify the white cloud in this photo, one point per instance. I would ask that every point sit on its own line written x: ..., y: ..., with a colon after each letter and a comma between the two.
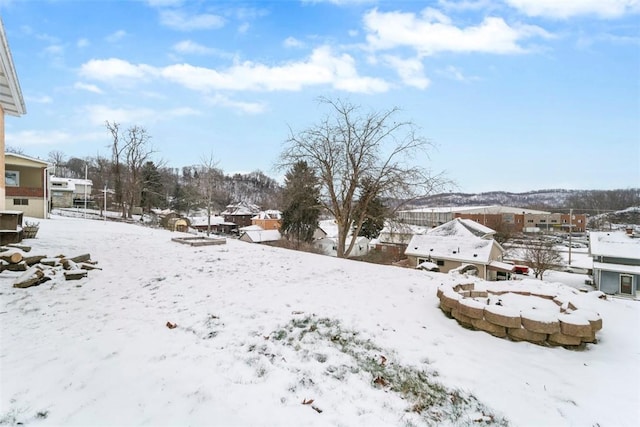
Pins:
x: 244, y: 107
x: 179, y: 20
x: 114, y: 69
x: 411, y: 71
x: 464, y: 5
x: 569, y: 8
x: 433, y: 32
x: 292, y: 42
x: 54, y: 49
x: 37, y: 137
x: 44, y: 99
x: 164, y: 3
x: 321, y: 68
x: 82, y: 43
x: 117, y: 36
x: 243, y: 28
x: 98, y: 114
x: 191, y: 47
x: 87, y: 87
x: 455, y: 73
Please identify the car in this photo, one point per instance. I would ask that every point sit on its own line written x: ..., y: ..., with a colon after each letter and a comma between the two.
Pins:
x: 521, y: 269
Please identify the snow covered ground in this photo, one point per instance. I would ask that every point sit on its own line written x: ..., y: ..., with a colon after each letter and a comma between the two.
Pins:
x: 261, y: 330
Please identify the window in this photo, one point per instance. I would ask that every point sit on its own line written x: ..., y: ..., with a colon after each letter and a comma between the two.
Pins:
x: 12, y: 178
x: 21, y: 202
x: 439, y: 263
x: 529, y: 220
x: 626, y: 283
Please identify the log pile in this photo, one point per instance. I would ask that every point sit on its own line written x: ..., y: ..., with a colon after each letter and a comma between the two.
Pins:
x: 38, y: 269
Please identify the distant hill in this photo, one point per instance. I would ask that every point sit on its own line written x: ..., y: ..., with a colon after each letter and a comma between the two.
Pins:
x: 532, y: 199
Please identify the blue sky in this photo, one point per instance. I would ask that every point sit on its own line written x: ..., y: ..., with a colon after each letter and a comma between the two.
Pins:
x: 516, y: 95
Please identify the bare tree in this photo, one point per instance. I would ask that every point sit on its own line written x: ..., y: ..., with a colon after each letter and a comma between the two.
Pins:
x: 346, y: 149
x: 209, y: 180
x: 136, y: 154
x: 541, y: 256
x: 58, y: 160
x: 129, y: 152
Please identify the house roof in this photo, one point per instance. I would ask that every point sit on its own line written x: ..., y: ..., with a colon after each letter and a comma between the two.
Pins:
x: 619, y: 268
x: 615, y: 244
x: 488, y: 209
x: 258, y: 236
x: 70, y: 182
x: 197, y: 221
x: 268, y: 214
x: 241, y: 209
x: 455, y: 240
x: 10, y: 93
x: 21, y: 159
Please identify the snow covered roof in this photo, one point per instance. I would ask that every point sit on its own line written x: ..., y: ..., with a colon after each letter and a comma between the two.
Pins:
x: 399, y: 232
x: 69, y: 183
x: 461, y: 227
x: 489, y: 209
x: 202, y: 220
x: 258, y: 236
x: 454, y: 240
x: 615, y: 244
x: 268, y: 214
x: 329, y: 227
x: 241, y: 209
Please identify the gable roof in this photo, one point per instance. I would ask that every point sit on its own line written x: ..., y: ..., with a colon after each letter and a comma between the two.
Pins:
x: 268, y: 214
x: 22, y: 160
x: 241, y: 209
x: 615, y: 244
x: 461, y: 227
x: 259, y: 236
x: 10, y: 93
x: 455, y: 240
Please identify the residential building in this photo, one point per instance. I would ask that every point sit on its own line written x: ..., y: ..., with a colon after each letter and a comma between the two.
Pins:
x: 457, y: 243
x: 505, y: 218
x: 268, y: 220
x: 256, y: 234
x: 11, y: 102
x: 70, y: 192
x: 240, y: 213
x: 616, y: 262
x: 26, y: 181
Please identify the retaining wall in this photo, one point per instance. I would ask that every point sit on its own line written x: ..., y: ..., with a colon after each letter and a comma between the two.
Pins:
x: 569, y: 327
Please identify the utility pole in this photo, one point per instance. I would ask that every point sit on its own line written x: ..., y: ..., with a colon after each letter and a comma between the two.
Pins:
x: 570, y: 228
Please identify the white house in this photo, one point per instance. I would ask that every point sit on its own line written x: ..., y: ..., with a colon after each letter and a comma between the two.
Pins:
x: 456, y: 243
x: 69, y: 192
x: 256, y: 234
x: 616, y: 262
x: 326, y: 238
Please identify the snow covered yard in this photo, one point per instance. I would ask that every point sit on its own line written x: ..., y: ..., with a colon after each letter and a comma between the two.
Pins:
x: 261, y: 331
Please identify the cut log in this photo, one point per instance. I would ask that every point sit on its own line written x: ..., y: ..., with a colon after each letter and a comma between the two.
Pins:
x: 32, y: 277
x: 12, y: 257
x: 23, y: 248
x: 21, y: 266
x: 81, y: 258
x: 87, y: 266
x: 34, y: 259
x: 51, y: 262
x: 67, y: 264
x: 75, y: 274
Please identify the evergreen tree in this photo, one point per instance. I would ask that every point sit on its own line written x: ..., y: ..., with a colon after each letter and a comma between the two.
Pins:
x: 301, y: 203
x: 374, y: 211
x: 152, y: 188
